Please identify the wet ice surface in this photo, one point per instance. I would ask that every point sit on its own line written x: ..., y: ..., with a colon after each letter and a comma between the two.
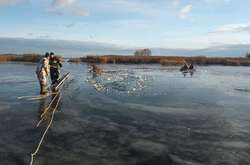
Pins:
x: 131, y: 114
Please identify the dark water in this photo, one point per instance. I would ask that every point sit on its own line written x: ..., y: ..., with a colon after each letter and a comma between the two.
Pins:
x: 131, y: 115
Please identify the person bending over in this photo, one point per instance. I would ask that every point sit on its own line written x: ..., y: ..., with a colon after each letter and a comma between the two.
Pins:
x: 42, y: 72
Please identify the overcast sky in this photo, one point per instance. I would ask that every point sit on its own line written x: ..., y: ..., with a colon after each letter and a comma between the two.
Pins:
x: 143, y: 23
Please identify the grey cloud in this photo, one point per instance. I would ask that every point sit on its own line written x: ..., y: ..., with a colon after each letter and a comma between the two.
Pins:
x: 184, y: 12
x: 68, y: 7
x: 233, y: 28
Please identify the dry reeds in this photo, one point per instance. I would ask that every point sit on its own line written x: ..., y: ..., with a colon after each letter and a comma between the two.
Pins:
x: 75, y: 60
x: 22, y: 58
x: 116, y: 59
x: 167, y: 60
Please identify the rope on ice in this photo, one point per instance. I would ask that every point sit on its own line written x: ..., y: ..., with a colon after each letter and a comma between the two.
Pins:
x: 45, y: 132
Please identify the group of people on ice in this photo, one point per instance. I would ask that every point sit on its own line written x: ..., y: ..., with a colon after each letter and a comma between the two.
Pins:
x: 48, y: 65
x: 187, y: 69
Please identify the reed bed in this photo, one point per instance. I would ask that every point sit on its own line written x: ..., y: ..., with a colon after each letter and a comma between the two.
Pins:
x: 24, y: 57
x: 164, y: 60
x: 117, y: 59
x: 21, y: 58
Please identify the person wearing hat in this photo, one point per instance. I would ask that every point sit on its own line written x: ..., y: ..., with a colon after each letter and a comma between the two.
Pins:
x: 42, y: 72
x: 55, y: 65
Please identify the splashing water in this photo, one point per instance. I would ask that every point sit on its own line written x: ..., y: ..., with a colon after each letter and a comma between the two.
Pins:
x: 122, y: 82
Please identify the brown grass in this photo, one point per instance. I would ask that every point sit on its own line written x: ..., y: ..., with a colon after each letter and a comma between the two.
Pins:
x: 113, y: 59
x: 165, y: 60
x: 21, y: 58
x: 168, y: 62
x: 75, y: 60
x: 127, y: 59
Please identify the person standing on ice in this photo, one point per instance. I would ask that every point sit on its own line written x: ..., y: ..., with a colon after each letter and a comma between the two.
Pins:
x: 55, y: 65
x: 42, y: 72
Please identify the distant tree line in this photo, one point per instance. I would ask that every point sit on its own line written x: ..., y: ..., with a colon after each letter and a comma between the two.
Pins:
x: 143, y: 52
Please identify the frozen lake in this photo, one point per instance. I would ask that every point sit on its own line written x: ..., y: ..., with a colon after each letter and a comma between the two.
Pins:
x: 130, y: 115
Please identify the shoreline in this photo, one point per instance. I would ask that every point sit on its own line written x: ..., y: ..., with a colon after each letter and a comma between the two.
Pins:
x: 129, y: 59
x: 163, y: 60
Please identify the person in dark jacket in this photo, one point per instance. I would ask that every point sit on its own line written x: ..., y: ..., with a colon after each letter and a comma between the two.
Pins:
x: 184, y: 68
x: 55, y: 65
x: 191, y: 66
